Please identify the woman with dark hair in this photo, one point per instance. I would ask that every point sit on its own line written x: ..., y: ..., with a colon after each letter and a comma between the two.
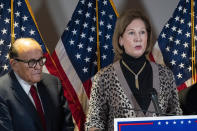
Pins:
x: 124, y: 88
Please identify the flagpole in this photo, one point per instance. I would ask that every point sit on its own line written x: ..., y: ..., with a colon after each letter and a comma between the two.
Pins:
x: 98, y: 46
x: 12, y: 21
x: 193, y: 43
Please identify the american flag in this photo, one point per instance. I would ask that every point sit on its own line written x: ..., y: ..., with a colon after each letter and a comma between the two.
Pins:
x: 174, y: 48
x: 24, y: 26
x: 169, y: 123
x: 77, y: 54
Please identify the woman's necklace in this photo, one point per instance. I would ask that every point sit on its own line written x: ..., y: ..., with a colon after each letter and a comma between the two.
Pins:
x: 136, y: 75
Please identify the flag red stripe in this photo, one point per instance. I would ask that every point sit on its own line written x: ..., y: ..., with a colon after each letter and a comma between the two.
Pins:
x: 69, y: 92
x: 181, y: 87
x: 151, y: 57
x: 87, y: 86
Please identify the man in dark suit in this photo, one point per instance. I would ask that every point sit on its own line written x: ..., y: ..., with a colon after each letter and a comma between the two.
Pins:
x: 29, y: 99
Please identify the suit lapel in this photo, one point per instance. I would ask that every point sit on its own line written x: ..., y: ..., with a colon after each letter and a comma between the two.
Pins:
x: 23, y: 98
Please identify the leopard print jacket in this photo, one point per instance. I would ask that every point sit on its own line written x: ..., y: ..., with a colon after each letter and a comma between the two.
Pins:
x: 112, y: 98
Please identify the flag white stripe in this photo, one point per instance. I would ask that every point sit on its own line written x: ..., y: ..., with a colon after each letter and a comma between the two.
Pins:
x: 156, y: 52
x: 72, y: 75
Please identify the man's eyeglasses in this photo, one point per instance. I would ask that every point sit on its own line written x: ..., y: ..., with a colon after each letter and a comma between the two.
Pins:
x: 32, y: 62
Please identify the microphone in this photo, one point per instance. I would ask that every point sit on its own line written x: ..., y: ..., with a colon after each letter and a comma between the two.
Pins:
x: 154, y: 99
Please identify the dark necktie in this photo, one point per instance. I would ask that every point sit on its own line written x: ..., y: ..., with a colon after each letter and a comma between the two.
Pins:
x: 37, y: 102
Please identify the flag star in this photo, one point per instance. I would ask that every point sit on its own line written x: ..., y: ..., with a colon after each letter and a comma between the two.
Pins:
x: 173, y: 28
x: 91, y: 39
x: 168, y: 49
x: 189, y: 68
x: 187, y: 1
x: 85, y: 25
x: 79, y: 12
x: 94, y: 18
x: 177, y: 42
x: 183, y: 55
x: 9, y: 45
x: 189, y: 24
x: 109, y: 26
x: 89, y: 49
x: 175, y: 52
x: 1, y: 5
x: 103, y: 13
x: 19, y: 3
x: 177, y: 18
x: 71, y: 42
x: 167, y: 25
x: 170, y: 38
x: 182, y: 122
x: 187, y: 34
x: 180, y: 8
x: 104, y: 56
x: 93, y: 29
x: 100, y: 33
x: 83, y: 35
x: 179, y: 31
x: 173, y: 62
x: 105, y: 47
x: 186, y: 44
x: 195, y: 37
x: 83, y: 1
x: 184, y: 11
x: 101, y: 23
x: 87, y: 15
x: 5, y: 67
x: 74, y: 32
x: 17, y: 14
x: 181, y: 65
x: 95, y: 63
x: 107, y: 36
x: 159, y: 123
x: 7, y: 20
x: 111, y: 16
x: 189, y: 122
x: 196, y: 27
x: 67, y: 28
x: 85, y: 70
x: 1, y: 42
x: 167, y: 122
x: 76, y: 21
x: 9, y: 10
x: 89, y: 4
x: 80, y: 45
x: 182, y: 21
x: 32, y: 32
x: 78, y: 56
x: 87, y: 59
x: 7, y: 56
x: 163, y: 35
x: 179, y: 77
x: 105, y: 2
x: 174, y: 122
x: 15, y: 24
x: 25, y: 18
x: 23, y: 28
x: 4, y: 31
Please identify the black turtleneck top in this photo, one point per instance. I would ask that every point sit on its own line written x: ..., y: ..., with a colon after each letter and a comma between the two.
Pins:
x: 145, y: 79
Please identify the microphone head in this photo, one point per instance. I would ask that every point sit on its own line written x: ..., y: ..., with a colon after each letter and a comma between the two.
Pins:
x: 152, y: 91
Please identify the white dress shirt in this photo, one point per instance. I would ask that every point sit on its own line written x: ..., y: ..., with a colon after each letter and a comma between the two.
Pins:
x: 26, y: 87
